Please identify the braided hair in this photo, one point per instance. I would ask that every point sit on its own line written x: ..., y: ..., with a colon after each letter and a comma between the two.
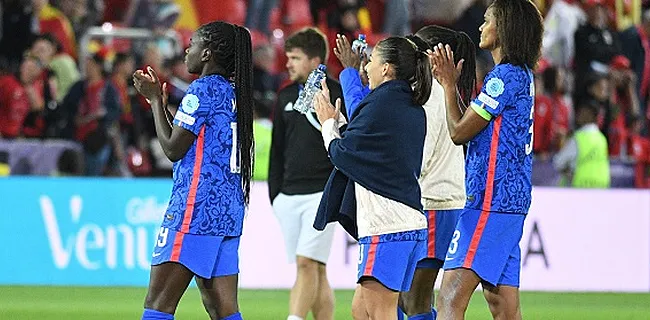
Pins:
x: 232, y: 51
x: 463, y: 48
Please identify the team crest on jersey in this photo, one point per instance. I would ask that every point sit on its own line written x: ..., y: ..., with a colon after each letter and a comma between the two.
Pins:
x: 190, y: 103
x: 494, y: 87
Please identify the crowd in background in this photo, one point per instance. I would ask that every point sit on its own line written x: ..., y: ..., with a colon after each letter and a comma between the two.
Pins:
x: 594, y: 53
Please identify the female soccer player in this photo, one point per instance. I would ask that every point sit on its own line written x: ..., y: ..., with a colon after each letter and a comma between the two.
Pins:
x: 381, y: 153
x: 443, y: 177
x: 499, y: 128
x: 210, y: 143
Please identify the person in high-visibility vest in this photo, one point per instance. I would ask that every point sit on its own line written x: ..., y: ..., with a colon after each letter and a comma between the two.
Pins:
x: 584, y: 158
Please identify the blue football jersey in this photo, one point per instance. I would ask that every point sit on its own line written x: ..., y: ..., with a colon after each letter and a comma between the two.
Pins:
x: 207, y: 196
x: 499, y: 159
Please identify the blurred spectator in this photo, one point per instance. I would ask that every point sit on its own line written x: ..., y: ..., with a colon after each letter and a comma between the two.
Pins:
x: 96, y: 102
x: 265, y: 82
x: 40, y: 87
x: 52, y: 20
x: 17, y: 31
x: 158, y: 16
x: 595, y: 43
x: 48, y: 50
x: 556, y: 87
x: 583, y: 161
x: 560, y: 24
x: 258, y: 15
x: 69, y: 164
x: 14, y: 104
x: 83, y: 14
x: 543, y: 114
x: 397, y: 19
x: 125, y: 134
x: 635, y: 42
x: 625, y: 109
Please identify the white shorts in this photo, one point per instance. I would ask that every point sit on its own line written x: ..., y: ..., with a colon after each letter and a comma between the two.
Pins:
x: 296, y: 214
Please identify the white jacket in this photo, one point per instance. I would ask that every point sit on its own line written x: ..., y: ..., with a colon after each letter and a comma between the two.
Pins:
x: 443, y: 166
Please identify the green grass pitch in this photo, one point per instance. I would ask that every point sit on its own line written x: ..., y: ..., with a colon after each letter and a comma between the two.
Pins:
x: 72, y: 303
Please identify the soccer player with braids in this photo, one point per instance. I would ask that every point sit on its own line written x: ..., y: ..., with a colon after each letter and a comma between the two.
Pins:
x: 210, y: 141
x: 498, y: 125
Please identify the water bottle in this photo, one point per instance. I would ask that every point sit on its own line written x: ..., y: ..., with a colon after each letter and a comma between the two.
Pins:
x: 305, y: 101
x: 360, y: 44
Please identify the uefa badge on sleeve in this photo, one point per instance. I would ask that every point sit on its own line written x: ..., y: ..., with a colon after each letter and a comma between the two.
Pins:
x: 494, y: 87
x: 190, y: 103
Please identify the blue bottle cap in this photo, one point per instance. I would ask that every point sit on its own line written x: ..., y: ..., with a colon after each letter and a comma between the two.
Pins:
x: 362, y: 37
x: 322, y: 67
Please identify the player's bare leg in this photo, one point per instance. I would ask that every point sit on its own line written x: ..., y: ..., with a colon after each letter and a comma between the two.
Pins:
x: 323, y: 308
x: 167, y: 283
x: 503, y: 302
x: 219, y: 295
x: 419, y: 298
x: 359, y: 306
x: 456, y: 290
x: 380, y: 302
x: 304, y: 291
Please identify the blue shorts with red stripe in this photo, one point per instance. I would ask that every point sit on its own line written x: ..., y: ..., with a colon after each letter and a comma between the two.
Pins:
x: 206, y: 256
x: 442, y: 224
x: 391, y: 258
x: 487, y: 243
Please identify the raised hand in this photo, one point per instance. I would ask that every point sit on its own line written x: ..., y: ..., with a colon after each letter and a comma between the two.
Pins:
x: 444, y: 69
x: 344, y: 53
x: 148, y: 85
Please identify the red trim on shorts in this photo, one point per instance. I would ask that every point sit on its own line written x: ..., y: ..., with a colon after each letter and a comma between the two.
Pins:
x: 176, y: 249
x: 487, y: 199
x: 431, y: 241
x: 372, y: 253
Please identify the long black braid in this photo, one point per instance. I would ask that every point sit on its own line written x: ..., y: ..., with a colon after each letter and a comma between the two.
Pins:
x: 463, y: 48
x: 232, y: 50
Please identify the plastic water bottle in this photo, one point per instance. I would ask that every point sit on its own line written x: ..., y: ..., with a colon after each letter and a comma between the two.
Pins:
x: 359, y: 45
x: 305, y: 101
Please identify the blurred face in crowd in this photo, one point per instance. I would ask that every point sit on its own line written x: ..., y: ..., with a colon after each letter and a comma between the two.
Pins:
x: 126, y: 67
x: 488, y: 31
x: 264, y: 58
x: 39, y: 4
x: 43, y: 50
x: 30, y: 70
x: 349, y: 20
x: 376, y: 68
x: 600, y: 89
x: 598, y: 16
x: 299, y: 65
x: 560, y: 80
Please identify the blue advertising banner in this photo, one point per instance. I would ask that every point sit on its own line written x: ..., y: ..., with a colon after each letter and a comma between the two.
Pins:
x: 79, y: 231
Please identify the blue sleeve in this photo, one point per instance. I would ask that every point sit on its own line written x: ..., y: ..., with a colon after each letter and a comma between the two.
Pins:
x: 194, y: 108
x: 353, y: 90
x: 499, y: 89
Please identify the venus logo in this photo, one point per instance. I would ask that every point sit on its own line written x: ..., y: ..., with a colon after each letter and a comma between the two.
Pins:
x: 107, y: 246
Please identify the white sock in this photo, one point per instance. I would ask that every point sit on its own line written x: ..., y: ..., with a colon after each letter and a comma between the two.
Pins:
x: 292, y: 317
